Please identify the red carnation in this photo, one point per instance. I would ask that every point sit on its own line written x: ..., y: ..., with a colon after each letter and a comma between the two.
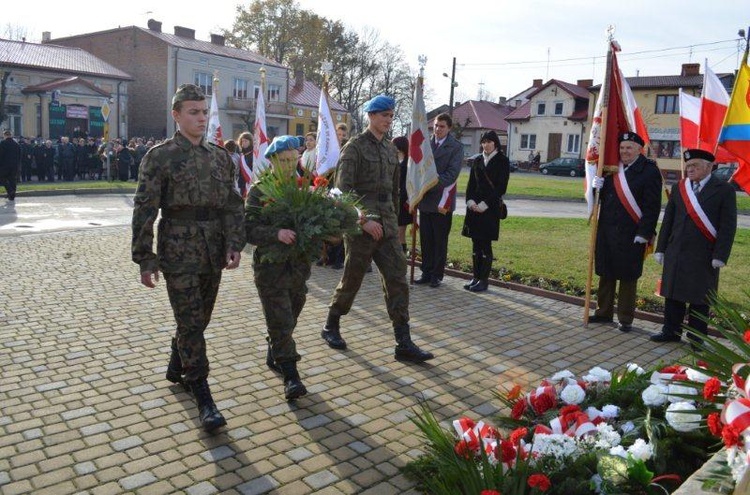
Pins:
x: 542, y: 403
x: 539, y: 481
x: 517, y: 435
x: 514, y: 393
x: 714, y: 424
x: 518, y: 409
x: 672, y: 369
x: 711, y: 388
x: 730, y: 436
x: 463, y: 449
x: 507, y: 451
x: 320, y: 182
x: 490, y: 492
x: 746, y: 337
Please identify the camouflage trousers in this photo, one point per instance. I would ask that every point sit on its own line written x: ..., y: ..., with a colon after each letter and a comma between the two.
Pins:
x: 281, y: 307
x: 389, y: 257
x: 192, y: 297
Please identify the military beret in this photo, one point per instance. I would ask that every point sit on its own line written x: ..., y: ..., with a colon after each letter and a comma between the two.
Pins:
x: 380, y: 103
x: 695, y: 153
x: 282, y: 143
x: 631, y: 136
x: 188, y: 92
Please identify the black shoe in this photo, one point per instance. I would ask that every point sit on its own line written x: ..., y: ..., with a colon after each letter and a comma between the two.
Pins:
x: 270, y: 362
x: 435, y: 282
x: 409, y: 352
x: 624, y: 327
x: 209, y: 414
x: 480, y: 286
x: 424, y: 279
x: 600, y: 319
x: 471, y: 282
x: 294, y: 389
x: 174, y: 368
x: 665, y: 337
x: 333, y: 339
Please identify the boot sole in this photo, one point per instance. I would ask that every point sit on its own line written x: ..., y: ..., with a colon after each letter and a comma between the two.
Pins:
x: 214, y: 426
x: 296, y: 393
x: 340, y: 347
x: 409, y: 359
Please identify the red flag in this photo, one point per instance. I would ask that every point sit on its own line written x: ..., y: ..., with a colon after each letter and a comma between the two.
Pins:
x: 617, y: 115
x: 633, y: 113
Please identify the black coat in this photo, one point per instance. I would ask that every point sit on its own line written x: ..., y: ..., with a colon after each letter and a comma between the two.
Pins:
x: 688, y: 275
x: 10, y: 156
x: 617, y: 256
x: 486, y: 183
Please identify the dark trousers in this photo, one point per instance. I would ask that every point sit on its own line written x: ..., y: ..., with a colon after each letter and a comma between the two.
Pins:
x: 8, y: 180
x: 605, y: 299
x: 674, y: 315
x: 481, y: 253
x: 434, y: 229
x: 192, y: 297
x: 282, y: 307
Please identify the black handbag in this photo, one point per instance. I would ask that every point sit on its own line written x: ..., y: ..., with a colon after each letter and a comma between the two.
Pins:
x: 502, y: 208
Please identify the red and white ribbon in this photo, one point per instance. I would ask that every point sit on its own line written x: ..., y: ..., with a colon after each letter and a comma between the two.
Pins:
x: 626, y: 195
x: 736, y: 413
x: 695, y: 211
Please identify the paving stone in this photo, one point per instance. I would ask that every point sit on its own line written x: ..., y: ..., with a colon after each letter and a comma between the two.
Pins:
x: 359, y: 447
x: 218, y: 453
x: 95, y: 429
x: 321, y: 479
x: 238, y: 433
x: 137, y: 480
x: 127, y: 443
x: 78, y: 413
x: 299, y: 454
x: 82, y: 468
x: 32, y: 433
x: 202, y: 488
x: 152, y: 404
x: 315, y: 421
x: 50, y: 386
x: 257, y: 486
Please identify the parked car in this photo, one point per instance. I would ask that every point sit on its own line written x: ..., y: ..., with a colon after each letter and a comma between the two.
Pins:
x: 573, y: 167
x: 725, y: 174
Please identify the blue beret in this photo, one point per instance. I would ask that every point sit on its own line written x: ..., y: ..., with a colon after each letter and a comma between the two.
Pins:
x: 282, y: 143
x: 380, y: 103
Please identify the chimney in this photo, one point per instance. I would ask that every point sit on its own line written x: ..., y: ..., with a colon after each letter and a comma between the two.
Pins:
x: 46, y: 36
x: 585, y: 83
x: 154, y: 25
x: 502, y: 100
x: 217, y: 39
x: 184, y: 32
x: 537, y: 83
x: 299, y: 79
x: 691, y: 70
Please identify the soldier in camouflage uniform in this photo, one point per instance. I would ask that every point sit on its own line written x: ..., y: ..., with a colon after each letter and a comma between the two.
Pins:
x: 369, y: 168
x: 193, y: 182
x: 281, y: 286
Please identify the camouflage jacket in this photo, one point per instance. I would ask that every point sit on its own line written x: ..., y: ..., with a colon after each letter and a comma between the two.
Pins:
x: 178, y: 176
x: 369, y: 168
x: 290, y: 274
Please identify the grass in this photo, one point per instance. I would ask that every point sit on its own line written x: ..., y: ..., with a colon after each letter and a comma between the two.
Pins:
x: 552, y: 253
x: 115, y: 185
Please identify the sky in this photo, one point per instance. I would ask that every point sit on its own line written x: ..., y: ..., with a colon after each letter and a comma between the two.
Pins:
x: 500, y: 47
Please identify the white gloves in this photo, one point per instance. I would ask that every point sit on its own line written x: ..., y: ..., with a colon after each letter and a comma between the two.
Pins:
x: 597, y: 182
x: 718, y: 264
x: 659, y: 258
x: 470, y: 203
x: 640, y: 240
x: 482, y: 207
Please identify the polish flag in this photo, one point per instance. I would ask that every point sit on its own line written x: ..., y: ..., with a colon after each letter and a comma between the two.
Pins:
x: 632, y: 112
x: 714, y: 103
x: 690, y: 118
x: 213, y: 132
x: 260, y: 137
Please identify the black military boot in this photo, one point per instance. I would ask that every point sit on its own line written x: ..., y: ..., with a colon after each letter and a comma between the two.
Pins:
x: 209, y: 415
x: 406, y: 350
x: 293, y: 387
x: 270, y: 361
x: 331, y: 333
x: 174, y: 368
x: 484, y: 275
x: 475, y: 263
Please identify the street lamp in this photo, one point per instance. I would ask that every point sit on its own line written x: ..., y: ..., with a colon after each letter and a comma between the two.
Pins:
x: 453, y: 85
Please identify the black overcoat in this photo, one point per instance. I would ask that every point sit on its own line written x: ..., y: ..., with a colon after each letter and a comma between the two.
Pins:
x: 617, y: 256
x: 487, y: 183
x: 687, y: 275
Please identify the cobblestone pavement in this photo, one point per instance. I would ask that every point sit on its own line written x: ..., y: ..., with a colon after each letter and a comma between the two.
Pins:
x: 85, y: 408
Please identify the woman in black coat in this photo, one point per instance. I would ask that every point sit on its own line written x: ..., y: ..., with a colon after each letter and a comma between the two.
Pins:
x: 487, y: 184
x: 404, y: 217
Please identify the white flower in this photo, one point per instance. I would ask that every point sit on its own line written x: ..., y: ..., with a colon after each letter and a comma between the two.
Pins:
x: 674, y: 389
x: 598, y: 374
x: 596, y: 482
x: 627, y: 427
x: 610, y: 411
x: 606, y: 436
x: 335, y: 192
x: 573, y: 394
x: 654, y: 395
x: 681, y: 420
x: 561, y: 375
x: 658, y: 378
x: 696, y: 376
x: 634, y: 367
x: 594, y: 413
x: 555, y: 445
x: 619, y: 451
x: 641, y: 450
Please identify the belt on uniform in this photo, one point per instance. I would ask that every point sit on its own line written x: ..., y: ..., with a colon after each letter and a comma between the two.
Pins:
x: 195, y: 213
x: 383, y: 197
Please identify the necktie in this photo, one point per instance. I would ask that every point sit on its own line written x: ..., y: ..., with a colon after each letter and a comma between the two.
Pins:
x: 696, y: 186
x: 435, y: 144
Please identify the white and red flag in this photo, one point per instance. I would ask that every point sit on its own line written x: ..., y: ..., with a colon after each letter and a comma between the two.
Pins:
x: 690, y: 119
x: 260, y: 138
x: 633, y: 113
x: 213, y: 131
x: 327, y: 149
x: 421, y: 173
x: 714, y: 104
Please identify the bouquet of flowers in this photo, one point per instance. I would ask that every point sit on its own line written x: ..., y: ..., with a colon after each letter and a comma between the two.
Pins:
x: 628, y: 432
x: 305, y: 205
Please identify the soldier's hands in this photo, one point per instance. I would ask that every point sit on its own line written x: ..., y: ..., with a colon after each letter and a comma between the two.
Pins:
x: 149, y: 279
x: 233, y: 259
x: 717, y: 263
x: 640, y: 240
x: 597, y: 182
x: 287, y: 236
x: 374, y: 229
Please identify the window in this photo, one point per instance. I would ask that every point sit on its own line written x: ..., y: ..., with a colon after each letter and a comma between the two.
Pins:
x: 574, y: 143
x: 559, y: 108
x: 204, y: 80
x: 274, y: 92
x: 541, y: 108
x: 240, y: 89
x: 667, y: 104
x: 14, y: 119
x: 256, y: 90
x: 528, y: 141
x: 664, y: 149
x: 299, y: 129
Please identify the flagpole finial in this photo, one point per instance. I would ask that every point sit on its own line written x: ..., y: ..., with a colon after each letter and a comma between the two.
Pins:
x: 326, y: 68
x: 422, y: 59
x: 216, y: 76
x: 610, y: 32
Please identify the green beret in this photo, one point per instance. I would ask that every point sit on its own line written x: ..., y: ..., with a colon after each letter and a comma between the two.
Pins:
x: 188, y: 92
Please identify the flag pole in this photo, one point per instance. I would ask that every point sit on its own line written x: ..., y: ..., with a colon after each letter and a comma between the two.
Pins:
x: 594, y: 219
